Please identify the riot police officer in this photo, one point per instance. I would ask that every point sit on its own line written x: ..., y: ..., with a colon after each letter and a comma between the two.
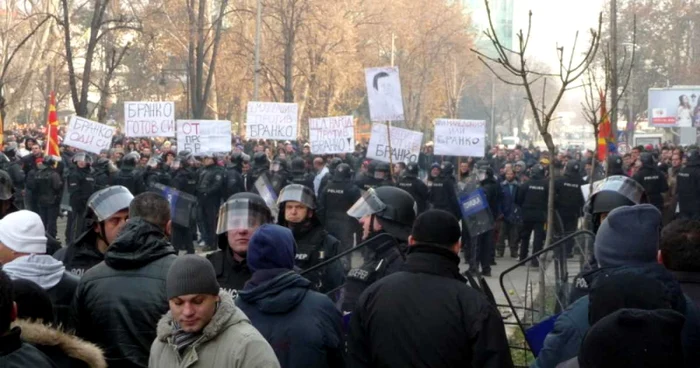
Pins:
x: 483, y: 252
x: 613, y: 166
x: 239, y: 217
x: 155, y: 172
x: 299, y: 173
x: 334, y: 202
x: 81, y: 185
x: 367, y: 179
x: 103, y: 170
x: 688, y: 187
x: 128, y: 176
x: 261, y: 167
x: 297, y: 211
x: 106, y: 214
x: 533, y: 198
x: 653, y: 180
x: 14, y: 169
x: 415, y: 187
x: 47, y: 187
x: 384, y: 210
x: 568, y: 199
x: 442, y: 193
x: 234, y: 180
x: 210, y: 185
x: 184, y: 180
x: 279, y: 177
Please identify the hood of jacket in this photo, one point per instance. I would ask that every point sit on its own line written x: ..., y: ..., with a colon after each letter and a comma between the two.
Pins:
x: 39, y: 334
x: 138, y: 244
x: 278, y: 295
x: 42, y: 269
x: 226, y: 315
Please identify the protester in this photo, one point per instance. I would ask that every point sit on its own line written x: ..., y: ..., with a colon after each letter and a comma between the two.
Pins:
x: 679, y: 252
x: 125, y: 294
x: 466, y: 332
x: 203, y: 327
x: 302, y: 326
x: 510, y: 226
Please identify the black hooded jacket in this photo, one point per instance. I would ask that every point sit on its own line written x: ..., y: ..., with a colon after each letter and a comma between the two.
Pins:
x: 82, y: 255
x: 654, y: 183
x: 688, y: 187
x: 119, y: 301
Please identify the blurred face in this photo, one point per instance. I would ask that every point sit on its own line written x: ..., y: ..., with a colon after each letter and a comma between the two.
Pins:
x: 627, y: 160
x: 365, y: 222
x: 464, y: 167
x: 635, y: 153
x: 685, y: 99
x: 676, y: 161
x: 435, y: 172
x: 81, y: 164
x: 113, y: 225
x: 193, y: 312
x: 208, y: 161
x: 296, y: 212
x: 238, y: 239
x: 510, y: 175
x: 36, y: 150
x: 143, y: 161
x: 306, y: 150
x: 318, y: 165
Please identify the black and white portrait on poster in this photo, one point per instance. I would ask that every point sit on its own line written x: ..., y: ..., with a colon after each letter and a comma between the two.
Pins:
x: 384, y: 93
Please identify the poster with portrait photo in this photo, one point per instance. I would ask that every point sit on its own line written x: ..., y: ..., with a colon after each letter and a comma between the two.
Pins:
x: 384, y: 94
x: 674, y: 107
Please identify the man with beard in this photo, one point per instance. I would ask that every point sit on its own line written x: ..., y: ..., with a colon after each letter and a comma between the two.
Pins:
x: 239, y: 217
x: 297, y: 211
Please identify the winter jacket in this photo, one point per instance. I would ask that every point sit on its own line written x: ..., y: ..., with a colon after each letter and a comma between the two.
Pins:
x: 63, y: 349
x: 690, y: 284
x: 82, y: 255
x: 404, y: 319
x: 510, y: 211
x: 303, y: 326
x: 565, y: 339
x: 532, y: 199
x: 125, y: 294
x: 228, y: 340
x: 15, y: 353
x: 688, y: 189
x: 51, y: 275
x: 230, y: 273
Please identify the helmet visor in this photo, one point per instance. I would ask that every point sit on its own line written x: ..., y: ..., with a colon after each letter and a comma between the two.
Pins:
x: 298, y: 193
x: 237, y: 214
x: 152, y: 163
x: 622, y: 185
x: 106, y: 202
x: 368, y: 204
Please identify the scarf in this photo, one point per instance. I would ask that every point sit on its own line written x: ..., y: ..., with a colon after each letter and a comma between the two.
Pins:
x: 183, y: 339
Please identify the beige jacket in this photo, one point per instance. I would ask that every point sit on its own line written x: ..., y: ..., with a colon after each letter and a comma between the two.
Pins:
x: 229, y: 340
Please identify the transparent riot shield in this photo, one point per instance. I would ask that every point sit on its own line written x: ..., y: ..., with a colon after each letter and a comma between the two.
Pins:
x: 181, y: 204
x: 268, y: 194
x: 537, y: 292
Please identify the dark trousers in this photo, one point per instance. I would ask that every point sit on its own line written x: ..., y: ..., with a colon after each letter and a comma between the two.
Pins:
x: 182, y: 238
x: 482, y: 252
x: 208, y: 212
x: 570, y: 223
x: 76, y: 218
x: 525, y: 232
x: 48, y: 215
x: 510, y: 232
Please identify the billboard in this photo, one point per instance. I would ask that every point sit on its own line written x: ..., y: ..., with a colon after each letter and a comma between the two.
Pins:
x: 674, y: 107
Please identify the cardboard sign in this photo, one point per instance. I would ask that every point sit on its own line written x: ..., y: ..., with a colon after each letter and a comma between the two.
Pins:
x: 88, y: 135
x: 204, y: 136
x: 271, y: 120
x: 384, y: 94
x: 149, y: 119
x: 332, y: 135
x: 405, y: 144
x: 460, y: 137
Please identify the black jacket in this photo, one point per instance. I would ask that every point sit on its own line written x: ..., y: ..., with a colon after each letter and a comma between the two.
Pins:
x: 688, y: 191
x: 417, y: 189
x: 428, y: 331
x: 82, y: 255
x: 119, y: 301
x: 533, y: 198
x: 230, y: 274
x: 334, y: 202
x: 443, y: 195
x: 315, y: 245
x: 654, y: 183
x: 690, y: 284
x: 568, y: 197
x: 14, y: 353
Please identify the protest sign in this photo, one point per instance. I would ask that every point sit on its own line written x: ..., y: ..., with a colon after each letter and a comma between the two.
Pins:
x: 204, y: 136
x: 271, y: 120
x: 149, y: 119
x: 332, y: 135
x: 460, y: 137
x: 88, y: 135
x: 384, y: 94
x: 405, y: 144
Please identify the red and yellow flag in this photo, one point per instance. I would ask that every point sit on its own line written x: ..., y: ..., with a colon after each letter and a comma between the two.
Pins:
x: 52, y: 129
x: 606, y: 140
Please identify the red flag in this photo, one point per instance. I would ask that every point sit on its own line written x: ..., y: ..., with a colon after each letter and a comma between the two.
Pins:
x: 52, y: 129
x: 604, y: 130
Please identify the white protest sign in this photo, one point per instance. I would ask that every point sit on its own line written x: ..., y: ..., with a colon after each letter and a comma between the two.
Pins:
x: 384, y: 94
x: 271, y: 120
x: 88, y: 135
x: 149, y: 119
x: 460, y: 137
x: 332, y: 135
x: 204, y: 136
x: 405, y: 144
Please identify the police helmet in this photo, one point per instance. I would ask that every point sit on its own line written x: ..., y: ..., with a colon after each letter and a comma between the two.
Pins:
x: 393, y: 207
x: 237, y: 159
x: 412, y: 169
x: 185, y: 155
x: 615, y: 191
x: 11, y: 150
x: 447, y: 168
x: 243, y: 210
x: 49, y: 161
x: 693, y: 156
x: 104, y: 203
x: 278, y: 165
x: 613, y: 165
x: 6, y: 189
x: 296, y: 193
x: 537, y: 172
x: 371, y: 167
x: 573, y: 167
x: 102, y: 162
x: 335, y: 161
x: 131, y: 158
x: 154, y: 162
x: 484, y: 169
x: 260, y: 161
x: 342, y: 172
x: 245, y: 158
x: 647, y: 159
x: 298, y: 165
x: 82, y: 157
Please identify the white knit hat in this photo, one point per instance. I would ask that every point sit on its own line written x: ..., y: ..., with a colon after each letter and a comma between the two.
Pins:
x: 23, y: 232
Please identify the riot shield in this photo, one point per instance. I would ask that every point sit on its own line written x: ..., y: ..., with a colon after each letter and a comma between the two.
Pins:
x: 268, y: 194
x: 476, y: 212
x: 537, y: 292
x: 181, y: 203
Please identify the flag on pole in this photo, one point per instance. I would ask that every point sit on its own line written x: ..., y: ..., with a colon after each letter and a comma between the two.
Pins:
x: 2, y: 130
x: 606, y: 138
x: 52, y: 129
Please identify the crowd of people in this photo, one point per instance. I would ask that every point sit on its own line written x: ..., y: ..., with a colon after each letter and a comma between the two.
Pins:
x: 288, y: 259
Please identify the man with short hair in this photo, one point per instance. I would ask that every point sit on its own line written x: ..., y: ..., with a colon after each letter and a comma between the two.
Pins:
x: 14, y: 352
x: 203, y: 326
x: 321, y: 170
x: 679, y: 252
x: 120, y: 301
x: 465, y: 332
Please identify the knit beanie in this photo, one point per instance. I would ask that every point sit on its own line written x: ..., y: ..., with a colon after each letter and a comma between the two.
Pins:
x: 33, y: 302
x: 271, y: 246
x: 191, y: 274
x: 628, y: 236
x: 23, y: 232
x: 634, y: 338
x: 436, y: 227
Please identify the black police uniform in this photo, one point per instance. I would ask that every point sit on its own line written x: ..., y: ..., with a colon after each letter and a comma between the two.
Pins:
x: 101, y: 174
x: 653, y: 181
x: 334, y: 202
x: 688, y: 187
x: 209, y: 191
x: 47, y: 188
x: 442, y: 194
x: 81, y: 185
x: 568, y: 199
x: 185, y: 180
x: 415, y: 187
x: 533, y: 198
x: 234, y: 182
x: 130, y: 178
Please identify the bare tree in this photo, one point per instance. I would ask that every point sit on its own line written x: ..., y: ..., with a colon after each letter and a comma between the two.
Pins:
x: 515, y: 69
